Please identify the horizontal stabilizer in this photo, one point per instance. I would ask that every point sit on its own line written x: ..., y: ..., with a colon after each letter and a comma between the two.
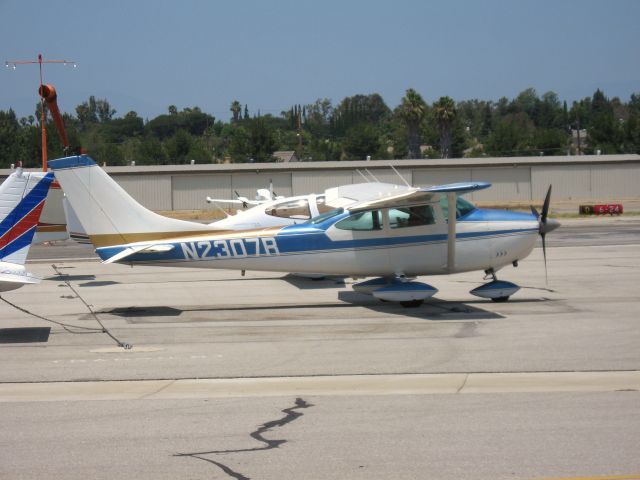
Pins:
x: 127, y: 252
x: 234, y: 201
x: 14, y: 276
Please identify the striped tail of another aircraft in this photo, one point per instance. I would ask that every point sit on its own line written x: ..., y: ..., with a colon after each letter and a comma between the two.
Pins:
x: 22, y: 197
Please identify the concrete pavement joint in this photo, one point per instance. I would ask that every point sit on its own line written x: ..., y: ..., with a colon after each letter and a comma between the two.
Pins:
x: 351, y: 385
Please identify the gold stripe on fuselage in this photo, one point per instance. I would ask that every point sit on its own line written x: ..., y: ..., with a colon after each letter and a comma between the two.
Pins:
x: 111, y: 239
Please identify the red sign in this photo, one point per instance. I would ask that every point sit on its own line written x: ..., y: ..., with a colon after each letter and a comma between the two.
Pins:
x: 609, y: 209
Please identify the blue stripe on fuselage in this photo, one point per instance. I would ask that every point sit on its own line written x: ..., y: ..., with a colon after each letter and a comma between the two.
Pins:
x: 288, y: 242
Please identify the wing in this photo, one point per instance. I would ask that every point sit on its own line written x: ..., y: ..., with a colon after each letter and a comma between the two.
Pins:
x: 238, y: 202
x: 225, y: 200
x: 417, y: 196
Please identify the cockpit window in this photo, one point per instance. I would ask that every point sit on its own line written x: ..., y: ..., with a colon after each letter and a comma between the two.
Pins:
x: 411, y: 216
x: 325, y: 216
x: 463, y: 207
x: 295, y: 209
x: 371, y: 220
x: 321, y: 204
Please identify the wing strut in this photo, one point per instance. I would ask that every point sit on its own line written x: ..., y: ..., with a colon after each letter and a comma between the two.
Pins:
x: 451, y: 232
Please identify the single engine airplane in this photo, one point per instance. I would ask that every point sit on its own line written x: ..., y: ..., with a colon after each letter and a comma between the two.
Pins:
x: 263, y: 195
x: 394, y: 234
x: 22, y: 198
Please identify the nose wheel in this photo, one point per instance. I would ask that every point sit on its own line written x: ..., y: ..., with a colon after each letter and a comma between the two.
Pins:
x: 500, y: 299
x: 412, y: 303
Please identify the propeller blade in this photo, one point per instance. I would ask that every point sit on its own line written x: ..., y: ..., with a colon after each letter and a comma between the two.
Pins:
x: 544, y: 254
x: 545, y: 206
x: 535, y: 212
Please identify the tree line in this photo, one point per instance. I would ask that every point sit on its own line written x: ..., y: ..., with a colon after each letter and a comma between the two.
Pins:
x: 358, y: 127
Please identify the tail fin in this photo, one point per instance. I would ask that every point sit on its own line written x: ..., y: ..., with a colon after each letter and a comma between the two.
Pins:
x: 22, y: 197
x: 52, y: 225
x: 108, y: 214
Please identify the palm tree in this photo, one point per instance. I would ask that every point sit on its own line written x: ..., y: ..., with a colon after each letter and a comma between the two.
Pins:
x: 236, y: 108
x: 412, y: 111
x: 444, y: 111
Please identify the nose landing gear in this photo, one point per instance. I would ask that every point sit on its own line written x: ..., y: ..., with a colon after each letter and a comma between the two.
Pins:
x: 497, y: 290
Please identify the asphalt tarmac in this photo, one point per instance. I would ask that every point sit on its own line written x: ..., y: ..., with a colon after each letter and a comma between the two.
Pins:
x: 278, y: 377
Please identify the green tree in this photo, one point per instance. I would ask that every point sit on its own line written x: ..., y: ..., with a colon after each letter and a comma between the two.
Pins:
x: 413, y: 112
x: 9, y: 132
x: 604, y: 132
x: 237, y: 139
x: 632, y: 125
x: 444, y: 112
x: 87, y: 113
x: 261, y: 144
x: 236, y: 108
x: 177, y: 147
x: 550, y: 141
x: 361, y: 141
x: 511, y: 136
x: 150, y: 152
x: 104, y: 110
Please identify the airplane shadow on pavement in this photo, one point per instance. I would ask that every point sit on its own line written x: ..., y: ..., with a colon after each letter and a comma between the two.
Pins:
x: 351, y: 302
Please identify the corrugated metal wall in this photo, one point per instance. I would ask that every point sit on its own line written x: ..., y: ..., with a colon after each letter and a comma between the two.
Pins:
x: 525, y: 179
x: 508, y: 184
x: 318, y: 181
x: 624, y: 178
x: 152, y: 191
x: 520, y: 183
x: 190, y: 191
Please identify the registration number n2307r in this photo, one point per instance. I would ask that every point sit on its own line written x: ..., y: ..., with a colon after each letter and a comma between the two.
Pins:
x: 232, y: 248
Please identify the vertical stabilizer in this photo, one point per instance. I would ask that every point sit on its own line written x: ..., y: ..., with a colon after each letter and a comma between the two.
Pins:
x: 108, y: 214
x: 22, y: 197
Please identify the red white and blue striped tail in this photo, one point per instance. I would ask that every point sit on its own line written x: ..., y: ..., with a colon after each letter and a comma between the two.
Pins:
x: 22, y: 197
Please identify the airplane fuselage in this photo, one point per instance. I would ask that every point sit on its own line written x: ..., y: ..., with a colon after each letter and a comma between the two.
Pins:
x: 485, y: 239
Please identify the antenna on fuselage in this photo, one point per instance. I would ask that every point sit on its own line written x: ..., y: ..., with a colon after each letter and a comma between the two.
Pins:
x: 372, y: 175
x: 362, y: 175
x: 401, y: 177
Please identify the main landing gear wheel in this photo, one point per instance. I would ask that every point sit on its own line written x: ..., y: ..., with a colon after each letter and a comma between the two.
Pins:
x: 500, y: 299
x: 412, y: 303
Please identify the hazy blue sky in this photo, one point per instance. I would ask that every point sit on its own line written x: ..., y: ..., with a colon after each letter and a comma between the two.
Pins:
x: 145, y: 55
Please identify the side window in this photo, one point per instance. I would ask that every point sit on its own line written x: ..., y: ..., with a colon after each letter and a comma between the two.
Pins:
x: 371, y: 220
x: 411, y: 216
x: 462, y: 207
x: 296, y: 209
x: 322, y: 206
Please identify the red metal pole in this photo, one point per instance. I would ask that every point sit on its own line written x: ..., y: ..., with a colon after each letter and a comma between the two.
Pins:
x: 42, y: 122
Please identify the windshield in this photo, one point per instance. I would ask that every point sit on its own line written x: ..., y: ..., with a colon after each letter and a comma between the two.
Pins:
x: 321, y: 218
x: 463, y: 207
x: 296, y: 209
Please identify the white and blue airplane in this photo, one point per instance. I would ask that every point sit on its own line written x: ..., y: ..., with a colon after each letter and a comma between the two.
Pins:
x: 392, y: 233
x: 22, y: 198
